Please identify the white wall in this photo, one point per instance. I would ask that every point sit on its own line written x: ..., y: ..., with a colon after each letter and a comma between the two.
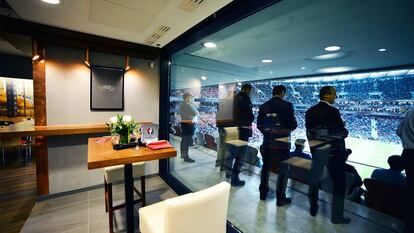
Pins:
x: 68, y: 102
x: 68, y: 90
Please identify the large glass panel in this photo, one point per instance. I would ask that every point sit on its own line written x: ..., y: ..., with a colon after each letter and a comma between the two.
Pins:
x: 350, y: 47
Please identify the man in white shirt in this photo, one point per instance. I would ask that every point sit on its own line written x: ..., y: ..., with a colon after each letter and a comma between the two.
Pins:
x: 188, y: 113
x: 406, y: 132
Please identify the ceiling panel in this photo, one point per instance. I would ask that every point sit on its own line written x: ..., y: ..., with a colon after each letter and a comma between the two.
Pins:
x: 153, y: 7
x: 114, y: 15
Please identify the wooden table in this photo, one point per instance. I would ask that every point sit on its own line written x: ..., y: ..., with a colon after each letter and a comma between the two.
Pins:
x: 103, y: 155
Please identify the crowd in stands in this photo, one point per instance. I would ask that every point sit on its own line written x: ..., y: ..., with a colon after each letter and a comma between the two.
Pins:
x: 371, y: 107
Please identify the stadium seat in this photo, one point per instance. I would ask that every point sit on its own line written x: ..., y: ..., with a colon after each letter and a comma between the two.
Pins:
x: 314, y: 171
x: 387, y: 198
x: 210, y: 143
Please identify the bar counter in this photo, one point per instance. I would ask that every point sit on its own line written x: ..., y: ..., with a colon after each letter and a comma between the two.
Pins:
x: 61, y: 154
x: 25, y: 130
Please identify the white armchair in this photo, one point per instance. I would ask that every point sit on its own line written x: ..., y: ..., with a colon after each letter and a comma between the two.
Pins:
x: 204, y: 211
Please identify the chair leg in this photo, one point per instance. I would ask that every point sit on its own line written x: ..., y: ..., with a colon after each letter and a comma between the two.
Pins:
x: 106, y: 195
x: 110, y: 210
x: 143, y: 190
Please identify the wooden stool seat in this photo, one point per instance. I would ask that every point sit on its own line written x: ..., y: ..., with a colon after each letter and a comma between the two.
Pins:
x: 116, y: 174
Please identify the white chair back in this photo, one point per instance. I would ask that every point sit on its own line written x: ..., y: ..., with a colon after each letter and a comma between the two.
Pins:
x: 204, y: 211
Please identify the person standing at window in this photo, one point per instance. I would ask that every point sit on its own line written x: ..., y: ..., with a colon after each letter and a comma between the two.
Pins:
x: 324, y: 123
x: 188, y: 113
x: 406, y: 132
x: 243, y: 116
x: 276, y: 120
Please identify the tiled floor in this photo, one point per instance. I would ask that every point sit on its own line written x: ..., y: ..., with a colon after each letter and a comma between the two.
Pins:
x: 84, y: 212
x: 251, y: 215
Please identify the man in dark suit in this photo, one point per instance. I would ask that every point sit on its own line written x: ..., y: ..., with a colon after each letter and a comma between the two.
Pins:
x: 243, y: 116
x: 324, y: 123
x: 276, y: 120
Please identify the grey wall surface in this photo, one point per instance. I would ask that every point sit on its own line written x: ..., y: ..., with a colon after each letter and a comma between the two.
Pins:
x: 68, y: 102
x: 68, y: 169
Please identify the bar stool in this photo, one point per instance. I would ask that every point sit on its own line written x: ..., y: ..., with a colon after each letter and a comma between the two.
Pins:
x: 115, y: 174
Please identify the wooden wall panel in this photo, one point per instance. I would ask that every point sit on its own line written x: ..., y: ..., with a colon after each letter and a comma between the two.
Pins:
x: 40, y: 151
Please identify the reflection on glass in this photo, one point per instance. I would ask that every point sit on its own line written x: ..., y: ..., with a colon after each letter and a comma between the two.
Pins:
x: 371, y: 102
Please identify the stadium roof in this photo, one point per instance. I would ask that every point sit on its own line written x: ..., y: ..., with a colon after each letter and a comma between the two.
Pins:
x: 290, y: 33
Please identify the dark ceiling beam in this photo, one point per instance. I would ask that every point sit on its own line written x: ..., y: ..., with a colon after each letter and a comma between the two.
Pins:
x: 70, y: 38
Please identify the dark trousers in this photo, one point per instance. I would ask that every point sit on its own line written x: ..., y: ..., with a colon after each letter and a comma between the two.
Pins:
x: 268, y: 157
x: 408, y: 158
x: 187, y: 131
x: 336, y: 169
x: 237, y: 154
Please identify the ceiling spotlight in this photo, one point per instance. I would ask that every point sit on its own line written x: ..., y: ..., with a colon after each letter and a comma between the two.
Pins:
x: 37, y: 51
x: 329, y: 56
x: 239, y: 83
x: 54, y: 2
x: 127, y: 67
x: 209, y: 45
x: 267, y: 61
x: 382, y: 50
x: 35, y: 57
x: 203, y: 78
x: 335, y: 69
x: 332, y: 48
x: 302, y: 68
x: 87, y: 58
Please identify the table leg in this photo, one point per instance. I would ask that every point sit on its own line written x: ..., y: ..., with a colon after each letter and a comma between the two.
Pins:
x: 129, y: 197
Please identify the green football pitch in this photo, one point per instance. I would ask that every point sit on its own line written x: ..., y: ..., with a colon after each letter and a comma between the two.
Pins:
x: 372, y: 153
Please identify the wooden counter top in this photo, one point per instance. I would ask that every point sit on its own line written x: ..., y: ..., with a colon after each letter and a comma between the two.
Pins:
x: 24, y: 129
x: 103, y: 155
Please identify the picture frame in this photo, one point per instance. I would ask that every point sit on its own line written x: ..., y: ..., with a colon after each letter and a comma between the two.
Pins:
x: 106, y: 89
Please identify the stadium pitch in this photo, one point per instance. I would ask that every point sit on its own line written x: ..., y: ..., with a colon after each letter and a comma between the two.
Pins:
x: 371, y: 154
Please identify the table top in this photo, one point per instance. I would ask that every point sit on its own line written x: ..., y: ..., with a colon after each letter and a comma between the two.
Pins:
x: 103, y: 155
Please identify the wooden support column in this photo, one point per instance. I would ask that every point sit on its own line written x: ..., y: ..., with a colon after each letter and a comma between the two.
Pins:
x: 39, y: 89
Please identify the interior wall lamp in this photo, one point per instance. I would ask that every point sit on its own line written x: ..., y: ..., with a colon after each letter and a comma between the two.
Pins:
x: 127, y: 67
x: 37, y: 51
x: 87, y: 58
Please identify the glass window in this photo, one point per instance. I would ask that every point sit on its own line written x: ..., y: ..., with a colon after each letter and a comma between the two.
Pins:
x: 350, y: 47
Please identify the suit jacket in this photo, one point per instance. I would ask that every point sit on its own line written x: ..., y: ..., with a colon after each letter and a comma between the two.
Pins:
x: 243, y: 113
x: 324, y: 122
x: 276, y: 119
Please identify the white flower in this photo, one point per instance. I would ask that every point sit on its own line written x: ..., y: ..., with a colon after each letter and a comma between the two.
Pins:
x: 127, y: 118
x: 113, y: 119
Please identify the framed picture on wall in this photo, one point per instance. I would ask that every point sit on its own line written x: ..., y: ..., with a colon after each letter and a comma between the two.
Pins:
x: 107, y: 89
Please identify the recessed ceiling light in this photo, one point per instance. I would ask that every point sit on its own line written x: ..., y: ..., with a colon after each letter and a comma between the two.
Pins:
x: 52, y: 1
x: 382, y: 50
x: 332, y: 48
x: 239, y: 83
x: 335, y: 69
x: 267, y: 61
x: 329, y: 56
x: 302, y: 68
x: 271, y: 71
x: 209, y: 45
x: 203, y: 77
